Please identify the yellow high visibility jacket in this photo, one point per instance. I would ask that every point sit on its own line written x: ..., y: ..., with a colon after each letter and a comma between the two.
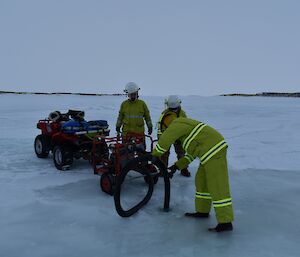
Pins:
x: 132, y: 115
x: 160, y: 128
x: 197, y: 139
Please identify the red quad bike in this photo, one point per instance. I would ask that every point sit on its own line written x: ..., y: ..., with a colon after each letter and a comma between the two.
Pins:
x: 111, y: 155
x: 67, y: 136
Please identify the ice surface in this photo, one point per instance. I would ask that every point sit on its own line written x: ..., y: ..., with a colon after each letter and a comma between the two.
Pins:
x: 44, y: 212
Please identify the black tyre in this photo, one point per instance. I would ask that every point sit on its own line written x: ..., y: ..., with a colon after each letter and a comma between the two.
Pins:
x: 108, y: 183
x: 62, y: 157
x: 42, y: 146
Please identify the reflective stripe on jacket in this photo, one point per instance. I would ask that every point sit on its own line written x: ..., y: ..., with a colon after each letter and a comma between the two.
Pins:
x: 198, y: 140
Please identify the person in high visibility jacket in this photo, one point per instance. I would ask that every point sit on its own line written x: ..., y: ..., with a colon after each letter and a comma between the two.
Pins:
x: 212, y: 185
x: 133, y: 112
x: 172, y: 112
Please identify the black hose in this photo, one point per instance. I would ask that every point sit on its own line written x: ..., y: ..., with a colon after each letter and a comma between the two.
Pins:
x: 137, y: 164
x: 163, y: 169
x: 132, y: 165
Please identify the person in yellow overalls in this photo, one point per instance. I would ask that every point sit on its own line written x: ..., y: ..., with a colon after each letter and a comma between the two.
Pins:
x: 133, y: 112
x: 172, y: 112
x: 212, y: 185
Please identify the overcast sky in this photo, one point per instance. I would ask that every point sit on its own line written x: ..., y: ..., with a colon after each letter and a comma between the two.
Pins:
x: 200, y: 47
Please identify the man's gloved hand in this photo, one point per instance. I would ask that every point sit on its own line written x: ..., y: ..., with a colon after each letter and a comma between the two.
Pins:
x: 172, y: 169
x: 150, y: 131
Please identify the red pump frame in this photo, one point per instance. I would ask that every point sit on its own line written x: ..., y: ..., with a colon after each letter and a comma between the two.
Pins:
x: 119, y: 142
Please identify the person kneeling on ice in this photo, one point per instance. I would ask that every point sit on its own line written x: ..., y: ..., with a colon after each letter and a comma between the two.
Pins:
x: 212, y: 185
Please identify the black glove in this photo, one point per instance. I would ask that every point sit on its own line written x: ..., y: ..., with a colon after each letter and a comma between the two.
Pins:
x: 118, y: 129
x: 154, y: 159
x: 172, y: 169
x: 150, y: 131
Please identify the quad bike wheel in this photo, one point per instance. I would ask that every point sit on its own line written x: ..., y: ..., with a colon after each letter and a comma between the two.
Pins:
x: 108, y: 183
x: 42, y: 146
x: 62, y: 157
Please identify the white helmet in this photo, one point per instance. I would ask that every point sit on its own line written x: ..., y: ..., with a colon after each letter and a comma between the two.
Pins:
x: 131, y: 87
x: 173, y: 102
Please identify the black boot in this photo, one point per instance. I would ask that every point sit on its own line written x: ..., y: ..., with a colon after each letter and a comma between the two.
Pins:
x: 185, y: 173
x: 222, y: 227
x: 197, y: 214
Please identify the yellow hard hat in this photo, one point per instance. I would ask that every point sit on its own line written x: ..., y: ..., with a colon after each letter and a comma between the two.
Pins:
x: 167, y: 120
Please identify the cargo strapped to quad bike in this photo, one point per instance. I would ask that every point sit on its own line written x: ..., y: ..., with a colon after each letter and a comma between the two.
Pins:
x: 68, y: 136
x: 84, y: 127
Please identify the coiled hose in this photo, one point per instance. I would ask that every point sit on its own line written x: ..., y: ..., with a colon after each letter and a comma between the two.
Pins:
x: 139, y: 164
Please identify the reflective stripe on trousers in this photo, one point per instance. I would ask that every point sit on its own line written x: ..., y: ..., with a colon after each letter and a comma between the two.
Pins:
x: 222, y: 203
x: 203, y: 195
